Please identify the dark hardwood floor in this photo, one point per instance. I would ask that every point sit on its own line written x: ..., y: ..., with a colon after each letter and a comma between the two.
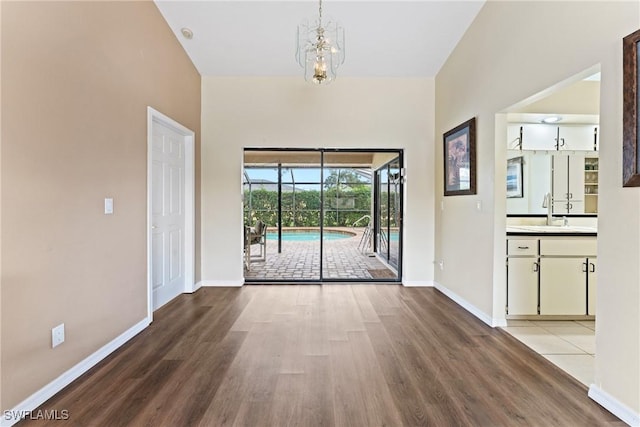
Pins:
x: 330, y: 355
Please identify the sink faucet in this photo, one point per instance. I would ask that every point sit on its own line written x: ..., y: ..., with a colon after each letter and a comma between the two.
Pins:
x: 548, y: 203
x: 565, y: 221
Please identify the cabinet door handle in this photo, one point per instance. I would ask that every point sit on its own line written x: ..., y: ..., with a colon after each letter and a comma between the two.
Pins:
x: 593, y: 267
x: 562, y: 144
x: 584, y: 267
x: 570, y: 196
x: 523, y: 247
x: 536, y: 267
x: 570, y: 206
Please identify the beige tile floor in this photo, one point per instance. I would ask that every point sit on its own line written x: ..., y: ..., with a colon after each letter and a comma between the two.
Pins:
x: 568, y: 344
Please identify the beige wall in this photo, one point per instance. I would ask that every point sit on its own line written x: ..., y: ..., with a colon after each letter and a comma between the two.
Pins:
x: 77, y: 78
x: 514, y: 50
x: 287, y: 112
x: 582, y: 97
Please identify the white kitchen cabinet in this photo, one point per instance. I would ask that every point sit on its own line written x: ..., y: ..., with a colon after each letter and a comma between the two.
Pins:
x: 576, y: 247
x: 563, y: 288
x: 513, y: 136
x: 577, y: 137
x: 541, y: 136
x: 522, y: 276
x: 568, y: 184
x: 522, y: 290
x: 592, y: 284
x: 535, y: 136
x: 522, y: 247
x: 551, y: 276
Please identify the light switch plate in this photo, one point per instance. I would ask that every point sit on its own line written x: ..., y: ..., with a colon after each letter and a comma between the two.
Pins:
x: 57, y: 335
x: 108, y: 206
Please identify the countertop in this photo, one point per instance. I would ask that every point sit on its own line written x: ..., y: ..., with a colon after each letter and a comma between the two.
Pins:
x: 551, y: 230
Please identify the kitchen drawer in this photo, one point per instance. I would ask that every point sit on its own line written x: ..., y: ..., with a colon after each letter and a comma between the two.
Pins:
x: 569, y: 247
x: 522, y: 247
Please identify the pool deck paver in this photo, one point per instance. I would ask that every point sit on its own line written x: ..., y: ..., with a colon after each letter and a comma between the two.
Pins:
x: 300, y: 260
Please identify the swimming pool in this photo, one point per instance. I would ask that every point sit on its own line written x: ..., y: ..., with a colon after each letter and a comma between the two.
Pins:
x: 308, y: 235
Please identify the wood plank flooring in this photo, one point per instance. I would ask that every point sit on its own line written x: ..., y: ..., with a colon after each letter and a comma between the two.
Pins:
x: 324, y: 355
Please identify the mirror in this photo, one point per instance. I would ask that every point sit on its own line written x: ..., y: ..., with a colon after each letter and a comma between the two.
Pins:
x: 552, y: 148
x: 570, y: 177
x: 535, y: 181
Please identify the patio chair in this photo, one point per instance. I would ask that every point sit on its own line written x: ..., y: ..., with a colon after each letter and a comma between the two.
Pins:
x: 256, y: 235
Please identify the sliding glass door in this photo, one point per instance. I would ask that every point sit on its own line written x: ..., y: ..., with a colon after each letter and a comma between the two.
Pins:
x: 319, y: 209
x: 388, y: 220
x: 284, y: 190
x: 347, y: 211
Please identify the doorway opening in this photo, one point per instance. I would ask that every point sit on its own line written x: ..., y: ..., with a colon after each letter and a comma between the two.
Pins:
x: 552, y: 168
x: 316, y: 215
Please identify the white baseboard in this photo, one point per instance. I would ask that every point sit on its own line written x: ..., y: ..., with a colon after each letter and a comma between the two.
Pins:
x: 417, y: 283
x: 470, y: 307
x: 12, y: 416
x: 220, y: 283
x: 499, y: 323
x: 195, y: 287
x: 612, y: 405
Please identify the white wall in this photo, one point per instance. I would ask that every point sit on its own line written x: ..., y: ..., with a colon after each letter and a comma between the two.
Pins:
x: 512, y: 51
x: 240, y: 112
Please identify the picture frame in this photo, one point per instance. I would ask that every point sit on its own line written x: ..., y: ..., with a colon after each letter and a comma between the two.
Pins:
x: 514, y: 178
x: 631, y: 106
x: 460, y: 159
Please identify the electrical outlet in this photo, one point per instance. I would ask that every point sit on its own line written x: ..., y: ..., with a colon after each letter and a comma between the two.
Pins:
x: 479, y: 205
x: 441, y: 264
x: 57, y: 335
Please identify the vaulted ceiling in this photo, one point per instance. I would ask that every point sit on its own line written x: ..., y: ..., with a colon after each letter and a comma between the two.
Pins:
x: 257, y: 38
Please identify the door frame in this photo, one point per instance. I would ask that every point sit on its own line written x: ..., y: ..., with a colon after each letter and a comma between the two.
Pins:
x: 156, y: 117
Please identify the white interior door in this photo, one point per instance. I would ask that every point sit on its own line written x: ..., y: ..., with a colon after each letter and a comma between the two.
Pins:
x: 167, y: 214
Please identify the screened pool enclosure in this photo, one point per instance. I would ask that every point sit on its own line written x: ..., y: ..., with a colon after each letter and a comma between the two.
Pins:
x: 330, y: 215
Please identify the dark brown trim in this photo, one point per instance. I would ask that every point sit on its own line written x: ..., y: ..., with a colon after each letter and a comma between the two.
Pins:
x: 630, y: 156
x: 547, y: 234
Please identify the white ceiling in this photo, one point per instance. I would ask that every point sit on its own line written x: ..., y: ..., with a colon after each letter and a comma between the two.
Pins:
x: 257, y: 38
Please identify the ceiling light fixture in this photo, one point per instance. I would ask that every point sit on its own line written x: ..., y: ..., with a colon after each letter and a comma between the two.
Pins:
x: 551, y: 119
x: 320, y: 49
x: 187, y: 33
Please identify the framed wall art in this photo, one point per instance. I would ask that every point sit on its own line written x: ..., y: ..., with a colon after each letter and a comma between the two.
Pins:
x: 514, y: 178
x: 460, y: 159
x: 630, y: 122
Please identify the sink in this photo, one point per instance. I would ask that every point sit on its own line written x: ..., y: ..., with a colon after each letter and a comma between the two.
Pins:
x: 551, y: 229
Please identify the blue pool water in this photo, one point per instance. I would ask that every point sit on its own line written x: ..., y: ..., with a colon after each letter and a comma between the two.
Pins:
x: 306, y: 236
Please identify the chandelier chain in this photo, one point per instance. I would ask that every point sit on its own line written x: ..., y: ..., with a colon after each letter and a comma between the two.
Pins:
x: 320, y: 13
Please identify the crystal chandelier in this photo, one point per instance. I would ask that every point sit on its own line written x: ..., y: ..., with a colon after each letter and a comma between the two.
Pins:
x: 320, y: 49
